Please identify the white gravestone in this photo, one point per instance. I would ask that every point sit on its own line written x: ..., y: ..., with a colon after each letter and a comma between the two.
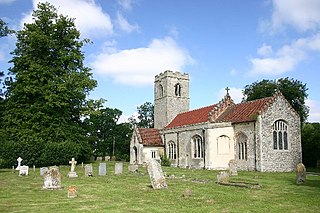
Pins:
x: 72, y: 173
x: 102, y: 168
x: 118, y: 168
x: 19, y: 163
x: 133, y: 168
x: 43, y: 170
x: 156, y: 175
x: 24, y: 171
x: 88, y: 170
x: 52, y: 178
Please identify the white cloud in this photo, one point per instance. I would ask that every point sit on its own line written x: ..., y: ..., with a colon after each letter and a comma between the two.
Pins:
x: 125, y: 4
x: 139, y: 66
x: 314, y: 114
x: 6, y: 1
x: 301, y: 14
x: 265, y: 50
x: 286, y: 58
x: 125, y: 25
x: 235, y: 93
x: 89, y: 17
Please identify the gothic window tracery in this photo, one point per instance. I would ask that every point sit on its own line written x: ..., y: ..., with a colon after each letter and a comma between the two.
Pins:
x: 197, y: 147
x: 172, y: 150
x: 242, y: 146
x: 280, y: 135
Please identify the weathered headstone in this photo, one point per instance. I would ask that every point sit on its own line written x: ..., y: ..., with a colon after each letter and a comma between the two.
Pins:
x: 300, y: 173
x: 99, y: 158
x: 43, y: 170
x: 102, y: 169
x: 107, y: 158
x: 118, y: 168
x: 223, y: 177
x: 72, y: 173
x: 232, y: 167
x: 156, y: 175
x: 52, y: 178
x: 19, y: 163
x: 24, y: 171
x: 133, y: 168
x: 88, y: 171
x: 72, y: 192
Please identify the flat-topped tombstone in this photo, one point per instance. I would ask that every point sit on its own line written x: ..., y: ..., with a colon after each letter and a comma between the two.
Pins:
x: 118, y: 168
x: 102, y: 169
x: 72, y: 191
x: 300, y: 173
x: 133, y: 168
x: 223, y: 177
x: 19, y: 159
x: 232, y: 167
x: 24, y: 171
x: 52, y: 178
x: 88, y: 171
x: 156, y: 175
x: 72, y: 173
x: 43, y: 170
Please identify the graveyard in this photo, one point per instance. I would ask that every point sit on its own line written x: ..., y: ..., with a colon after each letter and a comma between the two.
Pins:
x: 113, y: 188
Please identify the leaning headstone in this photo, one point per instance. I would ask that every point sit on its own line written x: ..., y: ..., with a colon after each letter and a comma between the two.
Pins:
x: 19, y: 163
x: 156, y: 175
x: 43, y: 170
x: 72, y: 192
x: 300, y: 173
x: 72, y: 173
x: 24, y: 171
x: 223, y: 177
x: 52, y: 178
x: 118, y: 168
x: 133, y: 168
x: 102, y: 169
x: 232, y: 167
x: 88, y: 170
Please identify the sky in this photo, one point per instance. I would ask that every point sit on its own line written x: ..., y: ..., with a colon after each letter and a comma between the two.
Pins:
x: 219, y: 43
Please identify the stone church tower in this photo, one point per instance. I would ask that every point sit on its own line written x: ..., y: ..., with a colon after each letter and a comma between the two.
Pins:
x: 171, y: 97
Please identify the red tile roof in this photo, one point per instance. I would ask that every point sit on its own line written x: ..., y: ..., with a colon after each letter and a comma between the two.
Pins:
x: 238, y: 113
x: 192, y: 117
x: 150, y: 137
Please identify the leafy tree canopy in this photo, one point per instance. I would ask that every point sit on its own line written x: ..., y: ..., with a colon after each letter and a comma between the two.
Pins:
x: 293, y: 90
x: 145, y: 117
x: 310, y: 137
x: 4, y: 30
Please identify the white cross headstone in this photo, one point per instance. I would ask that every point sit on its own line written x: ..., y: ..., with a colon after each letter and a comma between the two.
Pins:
x: 19, y: 163
x: 72, y: 173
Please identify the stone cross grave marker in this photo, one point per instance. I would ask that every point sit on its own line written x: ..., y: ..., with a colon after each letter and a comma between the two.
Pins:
x: 52, y: 178
x: 156, y: 175
x: 232, y: 167
x: 88, y: 170
x: 43, y: 170
x: 24, y: 171
x: 72, y: 173
x: 19, y: 163
x: 300, y: 173
x: 118, y: 168
x: 102, y: 169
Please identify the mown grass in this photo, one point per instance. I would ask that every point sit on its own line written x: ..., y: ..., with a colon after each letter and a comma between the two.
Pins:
x: 133, y: 192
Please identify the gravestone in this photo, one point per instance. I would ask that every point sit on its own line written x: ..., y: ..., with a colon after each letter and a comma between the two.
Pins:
x: 102, y: 169
x: 107, y: 158
x: 72, y: 173
x: 118, y: 168
x: 88, y: 170
x: 223, y: 177
x: 19, y: 163
x: 72, y: 192
x: 133, y: 168
x: 232, y: 167
x: 52, y: 178
x: 43, y: 170
x: 24, y: 171
x: 156, y: 175
x: 300, y: 173
x: 99, y: 158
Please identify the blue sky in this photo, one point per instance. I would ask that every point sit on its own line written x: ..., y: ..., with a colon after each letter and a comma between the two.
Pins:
x: 219, y: 43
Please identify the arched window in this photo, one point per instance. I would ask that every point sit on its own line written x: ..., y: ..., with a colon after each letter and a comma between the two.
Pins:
x: 177, y: 90
x: 197, y: 147
x: 280, y: 135
x: 172, y: 150
x: 160, y: 92
x: 242, y: 146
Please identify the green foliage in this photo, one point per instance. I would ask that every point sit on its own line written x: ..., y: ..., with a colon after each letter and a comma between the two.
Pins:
x: 47, y: 92
x: 293, y: 90
x: 310, y: 137
x: 165, y: 161
x: 145, y: 116
x: 4, y: 30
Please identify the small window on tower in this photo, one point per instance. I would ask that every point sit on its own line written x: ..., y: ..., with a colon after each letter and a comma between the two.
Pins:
x: 177, y: 90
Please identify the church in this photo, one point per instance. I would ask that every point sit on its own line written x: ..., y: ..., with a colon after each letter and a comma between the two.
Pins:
x: 261, y: 135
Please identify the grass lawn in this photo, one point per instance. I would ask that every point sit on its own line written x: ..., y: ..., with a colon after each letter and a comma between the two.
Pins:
x: 133, y: 192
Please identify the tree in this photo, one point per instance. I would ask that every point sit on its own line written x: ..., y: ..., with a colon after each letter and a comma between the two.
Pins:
x: 145, y: 117
x: 310, y: 137
x: 42, y: 123
x: 4, y: 30
x: 293, y: 90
